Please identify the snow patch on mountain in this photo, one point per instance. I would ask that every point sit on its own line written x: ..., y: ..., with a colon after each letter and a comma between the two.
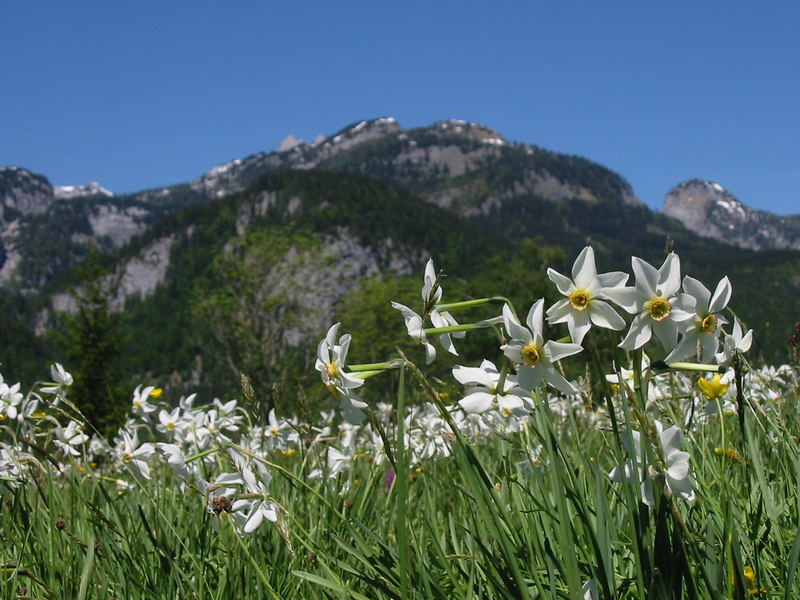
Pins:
x: 92, y: 188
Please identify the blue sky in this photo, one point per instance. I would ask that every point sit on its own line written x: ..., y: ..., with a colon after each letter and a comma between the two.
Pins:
x: 145, y: 94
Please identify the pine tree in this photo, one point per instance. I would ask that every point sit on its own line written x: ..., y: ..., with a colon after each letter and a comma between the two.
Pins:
x: 92, y: 343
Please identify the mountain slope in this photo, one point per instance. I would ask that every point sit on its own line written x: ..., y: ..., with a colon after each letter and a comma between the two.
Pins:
x: 710, y: 210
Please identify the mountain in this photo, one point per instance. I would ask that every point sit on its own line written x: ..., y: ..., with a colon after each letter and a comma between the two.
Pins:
x: 372, y: 200
x: 465, y: 167
x: 709, y: 210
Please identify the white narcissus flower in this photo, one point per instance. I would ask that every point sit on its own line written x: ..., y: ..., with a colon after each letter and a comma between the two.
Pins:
x: 701, y: 338
x: 415, y: 323
x: 140, y: 404
x: 416, y: 330
x: 10, y: 397
x: 535, y: 357
x: 733, y: 343
x: 675, y: 471
x: 170, y: 423
x: 133, y: 455
x: 67, y: 439
x: 656, y: 302
x: 626, y: 377
x: 484, y: 393
x: 175, y: 459
x: 330, y: 363
x: 584, y: 303
x: 331, y: 358
x: 256, y: 506
x: 61, y: 380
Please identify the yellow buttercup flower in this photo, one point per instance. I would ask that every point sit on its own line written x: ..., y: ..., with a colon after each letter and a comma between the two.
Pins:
x: 749, y: 575
x: 156, y: 393
x: 714, y: 388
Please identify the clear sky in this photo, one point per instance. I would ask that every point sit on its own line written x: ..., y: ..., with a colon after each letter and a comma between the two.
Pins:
x: 149, y: 93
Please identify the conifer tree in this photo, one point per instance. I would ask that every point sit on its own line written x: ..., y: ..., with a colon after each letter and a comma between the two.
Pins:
x: 92, y: 343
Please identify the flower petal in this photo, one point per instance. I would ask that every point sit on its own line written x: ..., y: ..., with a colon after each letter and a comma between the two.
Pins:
x: 639, y: 333
x: 624, y: 297
x: 603, y: 315
x: 584, y: 271
x: 646, y: 276
x: 698, y: 291
x: 722, y: 295
x: 476, y: 402
x: 669, y: 276
x: 514, y: 329
x: 563, y: 283
x: 555, y: 351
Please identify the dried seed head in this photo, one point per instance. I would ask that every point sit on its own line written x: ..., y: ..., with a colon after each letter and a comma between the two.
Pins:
x: 221, y: 504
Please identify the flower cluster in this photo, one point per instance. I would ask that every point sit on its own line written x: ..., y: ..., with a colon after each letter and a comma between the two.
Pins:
x: 681, y: 313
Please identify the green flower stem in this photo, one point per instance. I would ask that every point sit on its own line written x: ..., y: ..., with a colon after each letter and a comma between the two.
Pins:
x: 401, y: 482
x: 456, y: 328
x: 252, y: 559
x: 466, y: 304
x: 381, y: 366
x: 501, y: 381
x: 368, y: 374
x: 201, y: 454
x: 684, y: 366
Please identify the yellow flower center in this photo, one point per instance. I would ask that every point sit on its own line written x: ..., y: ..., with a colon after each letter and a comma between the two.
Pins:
x: 127, y: 457
x: 658, y: 308
x: 170, y: 426
x: 331, y: 370
x: 579, y: 300
x: 708, y: 324
x: 714, y: 388
x: 531, y: 355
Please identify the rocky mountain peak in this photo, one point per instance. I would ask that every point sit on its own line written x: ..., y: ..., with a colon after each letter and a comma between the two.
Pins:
x: 467, y: 130
x: 22, y: 193
x: 710, y: 210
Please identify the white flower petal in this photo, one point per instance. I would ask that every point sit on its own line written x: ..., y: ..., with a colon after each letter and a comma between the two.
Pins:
x: 669, y: 276
x: 514, y: 329
x: 476, y: 402
x: 639, y: 333
x: 624, y: 297
x: 721, y: 297
x: 646, y: 276
x: 535, y: 318
x: 603, y: 315
x: 555, y: 351
x: 698, y: 291
x: 584, y: 271
x: 559, y: 312
x: 563, y: 283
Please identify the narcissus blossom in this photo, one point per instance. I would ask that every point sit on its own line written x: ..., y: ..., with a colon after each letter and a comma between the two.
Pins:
x: 675, y: 472
x: 584, y: 304
x: 701, y: 336
x: 656, y: 302
x: 536, y: 358
x: 483, y: 392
